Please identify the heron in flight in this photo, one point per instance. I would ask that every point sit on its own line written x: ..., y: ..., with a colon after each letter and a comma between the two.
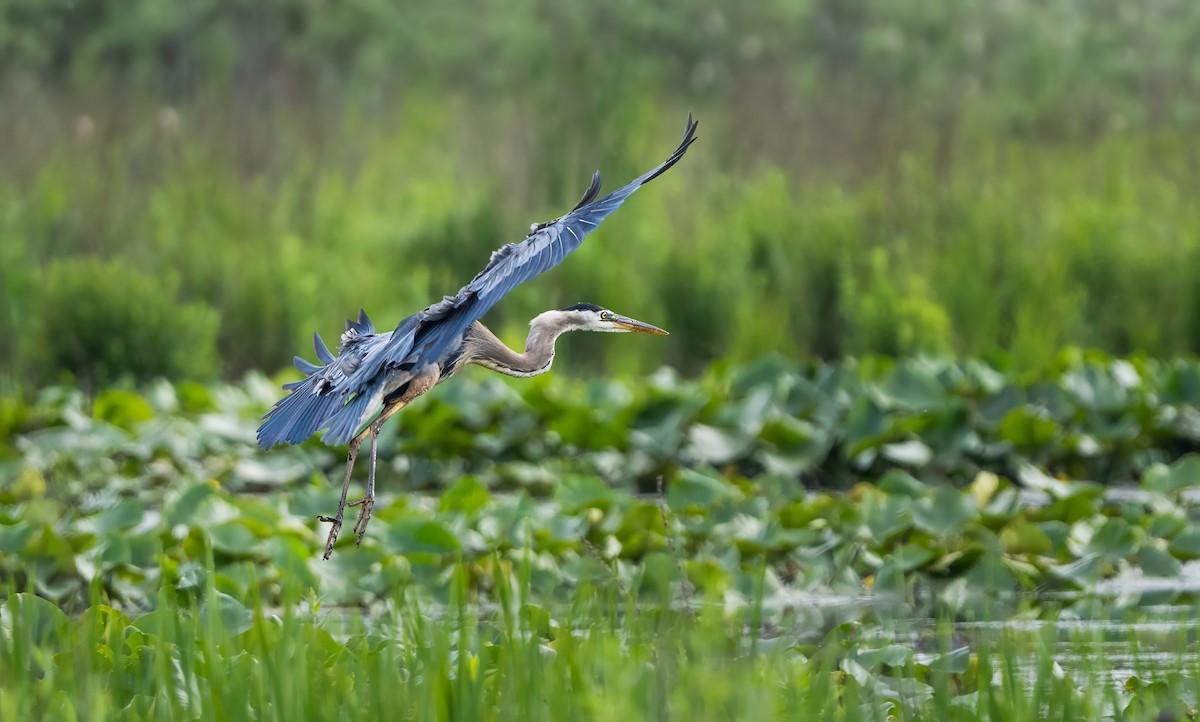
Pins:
x: 374, y: 375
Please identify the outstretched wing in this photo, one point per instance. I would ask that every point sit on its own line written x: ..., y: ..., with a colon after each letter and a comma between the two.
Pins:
x: 348, y: 389
x: 545, y: 247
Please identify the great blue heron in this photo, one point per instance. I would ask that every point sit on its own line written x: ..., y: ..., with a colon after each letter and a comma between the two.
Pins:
x: 375, y: 375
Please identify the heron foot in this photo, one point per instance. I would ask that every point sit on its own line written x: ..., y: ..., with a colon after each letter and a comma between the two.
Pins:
x: 364, y: 515
x: 333, y: 532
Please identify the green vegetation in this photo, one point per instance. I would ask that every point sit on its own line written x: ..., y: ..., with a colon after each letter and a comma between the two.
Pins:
x: 518, y: 567
x: 972, y: 476
x: 872, y: 177
x: 732, y: 263
x: 873, y: 478
x: 603, y: 657
x: 106, y: 322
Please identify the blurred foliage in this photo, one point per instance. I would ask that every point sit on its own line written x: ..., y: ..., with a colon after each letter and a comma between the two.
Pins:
x: 974, y: 479
x: 1030, y: 65
x: 205, y: 654
x: 517, y: 558
x: 873, y: 176
x: 101, y: 321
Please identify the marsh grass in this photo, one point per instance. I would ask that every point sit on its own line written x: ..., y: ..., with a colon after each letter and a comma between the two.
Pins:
x: 603, y: 655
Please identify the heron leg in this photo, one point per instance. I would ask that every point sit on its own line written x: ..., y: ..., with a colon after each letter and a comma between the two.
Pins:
x: 337, y: 520
x: 368, y: 501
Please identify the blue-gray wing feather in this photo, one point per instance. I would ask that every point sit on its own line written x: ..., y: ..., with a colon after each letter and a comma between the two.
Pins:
x: 542, y: 250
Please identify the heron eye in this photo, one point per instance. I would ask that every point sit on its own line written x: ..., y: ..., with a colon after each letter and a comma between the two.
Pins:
x: 605, y: 315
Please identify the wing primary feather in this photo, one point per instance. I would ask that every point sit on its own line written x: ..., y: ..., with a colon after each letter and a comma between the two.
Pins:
x: 590, y: 194
x: 304, y: 367
x: 295, y: 417
x: 689, y: 137
x: 321, y: 349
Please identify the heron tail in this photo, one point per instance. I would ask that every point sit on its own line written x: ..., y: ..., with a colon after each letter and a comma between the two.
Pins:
x: 298, y: 415
x: 352, y: 418
x: 321, y: 394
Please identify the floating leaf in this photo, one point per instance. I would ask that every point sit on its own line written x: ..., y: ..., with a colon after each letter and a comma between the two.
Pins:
x: 885, y: 515
x: 1033, y: 478
x: 910, y: 453
x: 902, y: 484
x: 14, y: 537
x: 123, y: 409
x: 1021, y: 537
x: 1165, y: 524
x: 467, y: 495
x: 712, y: 445
x: 1183, y: 474
x: 945, y: 514
x: 691, y: 490
x: 272, y: 470
x: 183, y: 509
x: 1083, y: 572
x: 912, y: 556
x: 912, y: 387
x: 125, y: 514
x: 1186, y: 546
x: 991, y: 574
x: 34, y: 616
x: 232, y: 538
x: 747, y: 415
x: 1157, y: 562
x: 576, y: 491
x: 235, y: 617
x: 1114, y: 540
x: 417, y: 536
x: 1098, y: 390
x: 954, y: 662
x: 1028, y: 427
x: 866, y: 428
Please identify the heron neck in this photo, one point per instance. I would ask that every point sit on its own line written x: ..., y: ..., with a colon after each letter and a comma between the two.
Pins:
x: 490, y: 352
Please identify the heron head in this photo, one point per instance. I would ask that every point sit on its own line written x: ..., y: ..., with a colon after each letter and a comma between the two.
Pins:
x: 590, y: 317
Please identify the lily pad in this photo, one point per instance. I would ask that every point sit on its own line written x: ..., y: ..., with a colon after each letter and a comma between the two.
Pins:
x: 911, y: 453
x: 712, y: 445
x: 1115, y: 539
x: 1158, y: 562
x: 417, y: 536
x: 1186, y: 546
x: 467, y: 495
x: 576, y: 491
x: 233, y: 538
x: 34, y: 616
x: 1022, y: 537
x: 945, y: 514
x: 1029, y: 427
x: 692, y: 491
x: 1183, y: 474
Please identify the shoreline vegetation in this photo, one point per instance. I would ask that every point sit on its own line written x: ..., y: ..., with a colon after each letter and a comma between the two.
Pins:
x: 868, y: 540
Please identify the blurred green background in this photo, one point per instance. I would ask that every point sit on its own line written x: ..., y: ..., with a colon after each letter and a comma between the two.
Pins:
x: 190, y: 189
